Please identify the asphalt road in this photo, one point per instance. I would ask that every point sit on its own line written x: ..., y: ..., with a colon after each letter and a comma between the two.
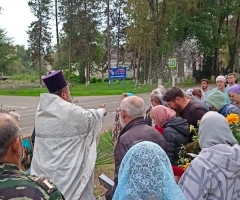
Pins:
x: 26, y: 107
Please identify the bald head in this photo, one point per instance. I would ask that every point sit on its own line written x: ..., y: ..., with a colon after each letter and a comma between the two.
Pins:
x: 9, y: 130
x: 133, y: 106
x: 3, y: 111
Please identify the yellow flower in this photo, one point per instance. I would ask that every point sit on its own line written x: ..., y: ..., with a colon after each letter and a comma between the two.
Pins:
x: 232, y: 119
x: 185, y: 166
x: 192, y: 128
x: 198, y: 122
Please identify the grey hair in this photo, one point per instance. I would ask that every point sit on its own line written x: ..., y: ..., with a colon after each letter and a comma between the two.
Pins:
x: 134, y: 106
x: 162, y: 89
x: 15, y: 115
x: 156, y: 91
x: 9, y: 130
x: 59, y: 92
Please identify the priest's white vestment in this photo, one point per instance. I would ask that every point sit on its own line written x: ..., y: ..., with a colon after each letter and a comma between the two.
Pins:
x: 65, y: 148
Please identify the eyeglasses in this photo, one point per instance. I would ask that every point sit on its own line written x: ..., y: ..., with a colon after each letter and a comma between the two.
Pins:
x: 231, y: 96
x: 118, y: 110
x: 20, y: 137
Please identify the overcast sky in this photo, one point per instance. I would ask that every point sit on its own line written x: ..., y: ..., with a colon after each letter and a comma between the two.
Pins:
x: 15, y: 19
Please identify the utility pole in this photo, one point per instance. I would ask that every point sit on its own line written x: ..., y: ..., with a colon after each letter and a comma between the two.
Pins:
x: 108, y: 36
x: 57, y: 34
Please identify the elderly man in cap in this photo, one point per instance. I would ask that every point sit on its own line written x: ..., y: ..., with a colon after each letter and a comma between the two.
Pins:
x: 66, y: 140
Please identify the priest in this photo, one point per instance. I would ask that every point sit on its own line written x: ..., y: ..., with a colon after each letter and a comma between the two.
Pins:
x: 66, y: 140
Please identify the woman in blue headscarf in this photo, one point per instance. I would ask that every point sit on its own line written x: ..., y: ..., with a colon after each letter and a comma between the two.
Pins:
x: 146, y: 174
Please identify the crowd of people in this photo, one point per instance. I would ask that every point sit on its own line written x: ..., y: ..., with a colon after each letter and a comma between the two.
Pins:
x: 146, y: 146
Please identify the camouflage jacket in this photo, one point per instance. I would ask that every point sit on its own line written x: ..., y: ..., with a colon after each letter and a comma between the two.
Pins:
x: 14, y: 184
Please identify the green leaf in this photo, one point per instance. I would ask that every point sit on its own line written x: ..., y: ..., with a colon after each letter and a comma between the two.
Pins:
x: 105, y: 149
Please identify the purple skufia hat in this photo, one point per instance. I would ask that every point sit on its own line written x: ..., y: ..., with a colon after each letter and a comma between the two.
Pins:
x: 55, y: 81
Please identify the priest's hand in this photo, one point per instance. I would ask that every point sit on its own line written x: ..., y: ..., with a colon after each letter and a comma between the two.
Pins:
x: 104, y: 109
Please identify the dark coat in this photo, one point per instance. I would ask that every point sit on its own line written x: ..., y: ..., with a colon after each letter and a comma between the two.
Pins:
x: 148, y: 119
x: 176, y: 132
x: 135, y: 131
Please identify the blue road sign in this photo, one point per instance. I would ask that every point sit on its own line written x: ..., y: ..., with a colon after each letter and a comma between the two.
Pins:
x: 117, y: 73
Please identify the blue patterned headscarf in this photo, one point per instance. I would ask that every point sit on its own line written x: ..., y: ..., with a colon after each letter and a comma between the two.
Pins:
x: 146, y: 174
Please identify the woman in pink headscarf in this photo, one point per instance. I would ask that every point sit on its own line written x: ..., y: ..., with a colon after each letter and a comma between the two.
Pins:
x: 176, y: 130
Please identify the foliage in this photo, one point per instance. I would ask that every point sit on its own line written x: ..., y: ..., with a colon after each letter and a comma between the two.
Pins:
x: 194, y: 148
x: 81, y: 40
x: 30, y: 77
x: 105, y: 149
x: 7, y: 51
x: 100, y: 88
x: 202, y: 35
x: 183, y: 159
x: 21, y: 64
x: 39, y: 34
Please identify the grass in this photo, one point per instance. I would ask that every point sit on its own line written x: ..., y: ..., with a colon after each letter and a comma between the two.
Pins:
x: 32, y: 77
x: 94, y: 89
x: 108, y: 170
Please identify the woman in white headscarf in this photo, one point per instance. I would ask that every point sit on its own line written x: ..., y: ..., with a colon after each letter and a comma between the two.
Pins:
x: 222, y: 87
x: 215, y: 173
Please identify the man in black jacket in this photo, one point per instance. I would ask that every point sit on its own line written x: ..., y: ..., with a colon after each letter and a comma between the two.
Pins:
x: 135, y: 129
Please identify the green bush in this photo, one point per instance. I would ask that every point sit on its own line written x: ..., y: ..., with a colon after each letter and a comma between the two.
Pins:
x: 31, y: 77
x: 93, y: 80
x: 106, y: 80
x: 74, y: 78
x: 65, y: 74
x: 99, y: 80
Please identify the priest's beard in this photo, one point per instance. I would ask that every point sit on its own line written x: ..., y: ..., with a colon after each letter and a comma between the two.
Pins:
x: 69, y: 98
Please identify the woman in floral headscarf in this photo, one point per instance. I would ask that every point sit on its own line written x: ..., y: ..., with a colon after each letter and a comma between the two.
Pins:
x: 146, y: 174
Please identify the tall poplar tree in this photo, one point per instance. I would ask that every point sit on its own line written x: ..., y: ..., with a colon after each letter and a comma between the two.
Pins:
x: 80, y: 20
x: 39, y: 33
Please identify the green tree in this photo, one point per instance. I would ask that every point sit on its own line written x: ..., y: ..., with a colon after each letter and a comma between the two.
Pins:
x: 39, y: 33
x: 7, y: 51
x: 80, y: 21
x: 23, y: 56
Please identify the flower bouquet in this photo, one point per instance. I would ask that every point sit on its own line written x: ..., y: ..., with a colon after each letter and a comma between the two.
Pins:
x: 194, y: 148
x: 190, y: 148
x: 234, y: 123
